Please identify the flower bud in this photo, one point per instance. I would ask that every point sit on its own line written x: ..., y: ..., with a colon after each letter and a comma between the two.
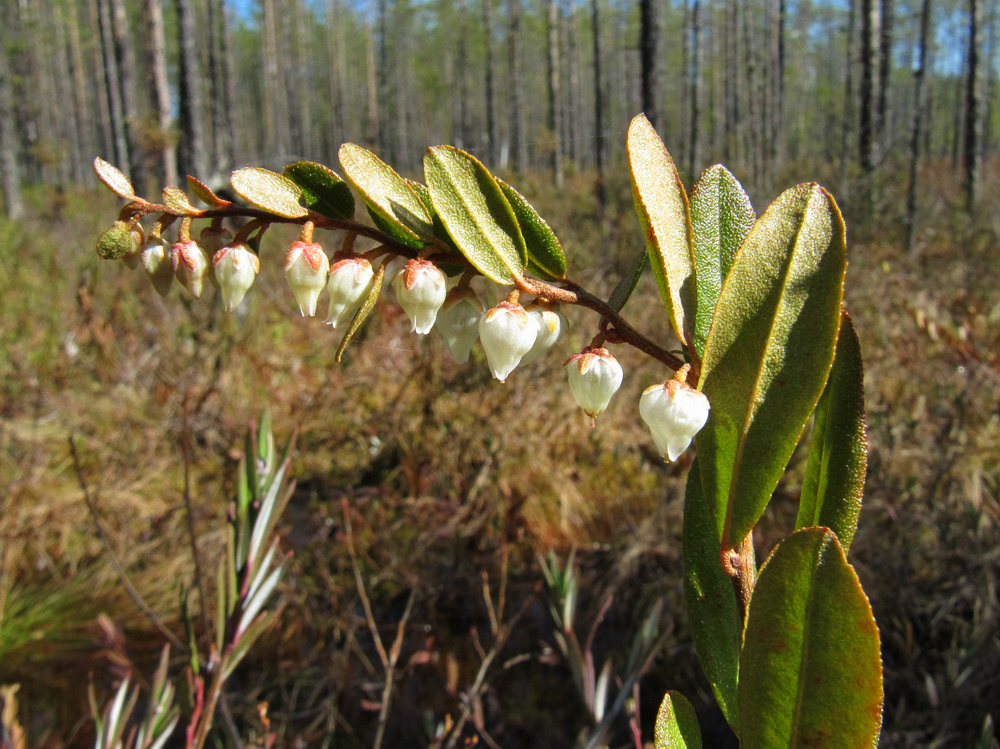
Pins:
x: 458, y: 322
x: 675, y: 412
x: 420, y: 291
x: 507, y: 333
x: 133, y: 257
x: 552, y: 326
x: 594, y: 376
x: 236, y: 267
x: 349, y: 283
x: 212, y: 239
x: 306, y: 268
x: 190, y: 264
x: 157, y: 265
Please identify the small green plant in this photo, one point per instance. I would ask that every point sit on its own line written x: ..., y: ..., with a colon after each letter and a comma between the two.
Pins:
x: 790, y: 648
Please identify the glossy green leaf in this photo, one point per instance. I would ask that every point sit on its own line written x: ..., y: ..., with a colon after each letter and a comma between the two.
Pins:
x: 387, y: 195
x: 323, y: 191
x: 810, y: 672
x: 721, y: 217
x: 662, y: 206
x: 439, y: 231
x: 111, y: 176
x: 546, y: 258
x: 676, y: 724
x: 476, y: 214
x: 769, y: 352
x: 710, y: 600
x: 626, y: 285
x: 268, y: 191
x: 838, y: 448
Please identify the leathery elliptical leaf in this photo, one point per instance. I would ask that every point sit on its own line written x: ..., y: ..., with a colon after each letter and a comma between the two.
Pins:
x: 768, y: 354
x: 662, y: 206
x: 676, y: 724
x: 476, y: 213
x: 810, y: 669
x: 268, y: 191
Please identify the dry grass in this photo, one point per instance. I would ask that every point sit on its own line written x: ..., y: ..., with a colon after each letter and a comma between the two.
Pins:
x: 450, y: 475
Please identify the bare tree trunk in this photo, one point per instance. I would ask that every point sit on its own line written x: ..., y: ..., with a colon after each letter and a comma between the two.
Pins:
x: 598, y: 105
x: 83, y: 96
x: 489, y: 94
x: 161, y: 85
x: 77, y: 166
x: 462, y: 73
x: 869, y: 86
x: 649, y: 39
x: 848, y: 120
x: 554, y: 113
x: 336, y: 65
x: 916, y: 133
x: 517, y: 134
x: 973, y: 107
x: 125, y: 58
x: 112, y: 84
x: 191, y: 149
x: 373, y: 110
x: 222, y: 138
x: 694, y: 87
x: 572, y: 115
x: 11, y: 179
x: 882, y: 129
x: 732, y: 79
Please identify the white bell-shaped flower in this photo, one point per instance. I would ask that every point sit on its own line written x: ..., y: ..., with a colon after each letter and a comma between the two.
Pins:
x: 156, y: 262
x: 349, y: 283
x: 458, y: 322
x: 420, y: 291
x: 306, y: 268
x: 594, y: 376
x: 552, y: 326
x: 507, y: 333
x: 191, y: 265
x: 212, y: 239
x: 236, y: 268
x: 674, y: 412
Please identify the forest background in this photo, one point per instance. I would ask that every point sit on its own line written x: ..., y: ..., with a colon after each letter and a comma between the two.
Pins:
x: 891, y: 105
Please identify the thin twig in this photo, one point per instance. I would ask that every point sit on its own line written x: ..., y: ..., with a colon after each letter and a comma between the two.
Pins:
x: 132, y: 591
x: 189, y: 512
x: 360, y: 583
x: 390, y: 672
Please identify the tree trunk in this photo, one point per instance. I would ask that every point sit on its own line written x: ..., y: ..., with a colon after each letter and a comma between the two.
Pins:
x: 555, y: 94
x: 491, y: 125
x: 884, y: 70
x: 517, y: 134
x: 598, y: 104
x: 916, y: 133
x: 973, y: 107
x: 11, y: 179
x: 869, y: 86
x: 161, y: 86
x: 112, y: 85
x: 694, y: 88
x: 191, y: 149
x: 649, y: 39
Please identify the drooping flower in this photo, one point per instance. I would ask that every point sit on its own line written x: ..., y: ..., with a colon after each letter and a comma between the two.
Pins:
x: 133, y: 257
x: 306, y: 268
x: 552, y: 326
x: 349, y: 282
x: 212, y: 239
x: 507, y: 333
x: 156, y: 262
x: 236, y: 267
x: 674, y: 412
x: 458, y: 322
x: 190, y: 264
x: 420, y: 291
x: 594, y: 376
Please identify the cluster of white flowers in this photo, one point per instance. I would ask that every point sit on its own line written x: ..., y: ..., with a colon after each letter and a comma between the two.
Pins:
x: 511, y: 334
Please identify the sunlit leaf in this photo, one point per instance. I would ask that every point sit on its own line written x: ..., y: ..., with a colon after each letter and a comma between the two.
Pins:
x: 268, y: 191
x: 721, y: 217
x: 114, y: 179
x: 205, y: 194
x: 176, y: 200
x: 476, y: 214
x: 363, y: 312
x: 676, y: 724
x: 712, y: 610
x: 662, y: 206
x: 838, y: 448
x: 387, y: 195
x: 546, y: 258
x: 810, y: 671
x: 323, y: 191
x: 769, y: 352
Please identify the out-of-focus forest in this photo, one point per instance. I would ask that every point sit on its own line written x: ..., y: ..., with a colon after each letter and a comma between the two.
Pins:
x: 441, y: 490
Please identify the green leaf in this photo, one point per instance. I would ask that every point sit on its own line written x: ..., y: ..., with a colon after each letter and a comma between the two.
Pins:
x: 838, y: 449
x: 626, y: 285
x: 115, y: 242
x: 662, y: 206
x: 362, y: 314
x: 177, y: 201
x: 476, y: 214
x: 546, y: 258
x: 439, y: 231
x: 676, y: 724
x: 721, y: 217
x: 709, y: 598
x: 323, y: 191
x: 268, y: 191
x: 387, y: 195
x: 769, y: 352
x: 111, y: 176
x: 810, y: 672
